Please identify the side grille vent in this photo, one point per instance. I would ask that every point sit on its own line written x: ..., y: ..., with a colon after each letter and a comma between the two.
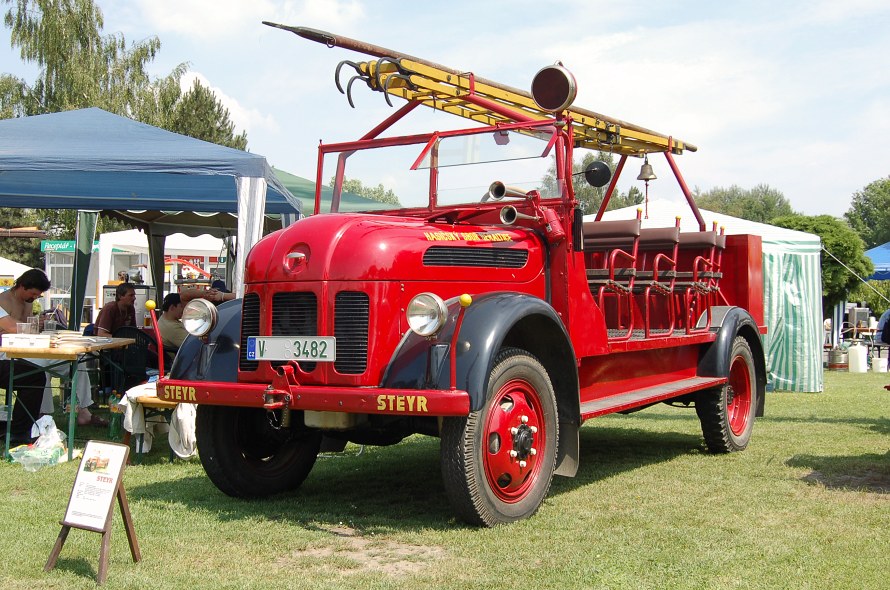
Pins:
x: 476, y: 256
x: 250, y: 326
x: 295, y: 314
x: 351, y: 324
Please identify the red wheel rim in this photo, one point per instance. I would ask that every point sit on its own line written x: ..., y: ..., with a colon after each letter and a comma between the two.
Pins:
x: 515, y: 436
x: 738, y: 404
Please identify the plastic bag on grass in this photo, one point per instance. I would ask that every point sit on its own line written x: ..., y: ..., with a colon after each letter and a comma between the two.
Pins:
x: 48, y: 449
x: 32, y: 457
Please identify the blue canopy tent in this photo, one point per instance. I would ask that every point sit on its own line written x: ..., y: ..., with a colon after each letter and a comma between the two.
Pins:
x: 880, y: 257
x: 92, y: 160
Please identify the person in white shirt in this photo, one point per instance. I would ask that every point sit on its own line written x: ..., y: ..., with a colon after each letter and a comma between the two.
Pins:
x: 881, y: 322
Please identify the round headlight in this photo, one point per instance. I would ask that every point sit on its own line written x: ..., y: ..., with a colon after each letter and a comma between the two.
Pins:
x: 426, y: 314
x: 199, y: 317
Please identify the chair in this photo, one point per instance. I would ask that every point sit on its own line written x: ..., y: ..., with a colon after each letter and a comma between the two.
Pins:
x: 655, y: 280
x: 134, y: 360
x: 611, y: 255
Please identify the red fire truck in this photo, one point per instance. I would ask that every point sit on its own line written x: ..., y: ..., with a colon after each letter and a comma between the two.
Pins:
x: 471, y: 300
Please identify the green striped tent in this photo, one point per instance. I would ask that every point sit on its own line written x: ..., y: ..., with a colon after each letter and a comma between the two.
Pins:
x: 792, y: 290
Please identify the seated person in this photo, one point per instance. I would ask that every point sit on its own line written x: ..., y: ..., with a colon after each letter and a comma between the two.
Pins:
x: 170, y: 323
x: 117, y: 313
x: 16, y: 305
x: 882, y: 323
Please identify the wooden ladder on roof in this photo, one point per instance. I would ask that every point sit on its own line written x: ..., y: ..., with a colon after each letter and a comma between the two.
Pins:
x: 469, y: 96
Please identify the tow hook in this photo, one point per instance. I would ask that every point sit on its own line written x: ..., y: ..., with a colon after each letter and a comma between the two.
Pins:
x: 275, y: 399
x: 278, y: 400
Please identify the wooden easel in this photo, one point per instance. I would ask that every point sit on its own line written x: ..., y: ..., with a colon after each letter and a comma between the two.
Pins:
x: 68, y: 523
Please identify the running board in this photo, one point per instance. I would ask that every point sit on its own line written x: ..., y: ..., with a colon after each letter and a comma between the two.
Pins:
x: 646, y: 396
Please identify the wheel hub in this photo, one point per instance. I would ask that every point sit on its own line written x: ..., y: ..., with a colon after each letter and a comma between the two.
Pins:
x: 523, y: 441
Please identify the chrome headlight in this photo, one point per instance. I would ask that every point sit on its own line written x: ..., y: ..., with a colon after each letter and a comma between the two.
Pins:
x: 199, y: 317
x: 426, y: 314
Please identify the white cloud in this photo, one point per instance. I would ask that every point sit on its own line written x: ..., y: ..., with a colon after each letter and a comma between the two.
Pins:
x: 834, y: 12
x: 222, y: 19
x: 788, y: 94
x: 203, y: 19
x: 244, y: 118
x: 322, y: 13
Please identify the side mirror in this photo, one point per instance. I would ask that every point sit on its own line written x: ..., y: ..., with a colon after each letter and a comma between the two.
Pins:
x: 597, y: 174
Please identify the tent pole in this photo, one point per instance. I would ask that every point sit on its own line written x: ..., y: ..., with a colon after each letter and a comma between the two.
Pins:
x: 84, y: 236
x: 156, y: 265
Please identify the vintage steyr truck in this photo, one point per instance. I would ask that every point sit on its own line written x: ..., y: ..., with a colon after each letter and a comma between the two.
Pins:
x: 470, y: 300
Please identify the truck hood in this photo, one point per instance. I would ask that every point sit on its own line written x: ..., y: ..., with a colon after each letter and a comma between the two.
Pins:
x: 352, y: 247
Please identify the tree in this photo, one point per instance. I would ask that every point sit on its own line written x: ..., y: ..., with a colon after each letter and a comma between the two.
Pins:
x: 875, y: 295
x: 590, y: 197
x: 869, y: 213
x: 761, y: 203
x: 22, y: 250
x: 844, y: 244
x: 82, y: 67
x: 61, y: 224
x: 12, y: 96
x: 376, y: 193
x: 199, y: 114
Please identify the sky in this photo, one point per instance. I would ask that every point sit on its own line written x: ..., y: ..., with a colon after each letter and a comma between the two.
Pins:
x: 792, y: 94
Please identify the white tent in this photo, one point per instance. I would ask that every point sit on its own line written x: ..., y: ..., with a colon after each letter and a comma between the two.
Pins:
x: 11, y: 269
x: 792, y: 285
x: 137, y: 242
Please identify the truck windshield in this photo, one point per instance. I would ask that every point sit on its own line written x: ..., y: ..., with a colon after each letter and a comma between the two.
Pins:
x: 390, y: 177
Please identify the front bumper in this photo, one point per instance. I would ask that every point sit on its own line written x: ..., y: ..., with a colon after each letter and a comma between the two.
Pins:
x: 285, y: 392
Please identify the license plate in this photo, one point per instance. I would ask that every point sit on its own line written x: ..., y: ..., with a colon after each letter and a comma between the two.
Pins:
x: 292, y: 348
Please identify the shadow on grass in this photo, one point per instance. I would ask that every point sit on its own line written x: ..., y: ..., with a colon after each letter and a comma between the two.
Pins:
x: 878, y: 425
x: 606, y: 452
x: 400, y: 487
x: 78, y: 566
x: 870, y: 472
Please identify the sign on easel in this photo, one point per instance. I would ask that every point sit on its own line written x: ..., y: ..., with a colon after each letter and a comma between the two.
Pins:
x: 99, y: 480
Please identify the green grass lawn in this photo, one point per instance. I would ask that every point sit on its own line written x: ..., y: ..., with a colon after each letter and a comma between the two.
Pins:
x: 807, y: 505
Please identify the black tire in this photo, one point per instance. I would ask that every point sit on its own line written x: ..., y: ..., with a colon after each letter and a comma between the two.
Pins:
x: 727, y: 412
x: 484, y: 482
x: 245, y: 457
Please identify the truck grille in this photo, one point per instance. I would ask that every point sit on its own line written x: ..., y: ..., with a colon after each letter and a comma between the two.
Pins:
x: 250, y: 326
x: 478, y: 257
x: 351, y: 318
x: 295, y: 314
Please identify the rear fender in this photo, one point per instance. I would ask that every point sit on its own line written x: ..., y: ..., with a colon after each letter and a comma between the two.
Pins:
x: 491, y: 322
x: 715, y: 360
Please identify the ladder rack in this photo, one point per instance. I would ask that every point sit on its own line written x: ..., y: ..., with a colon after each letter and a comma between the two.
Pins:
x: 490, y: 103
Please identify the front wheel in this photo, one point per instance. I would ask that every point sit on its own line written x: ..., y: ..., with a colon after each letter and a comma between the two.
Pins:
x: 727, y: 413
x: 498, y: 462
x: 245, y: 456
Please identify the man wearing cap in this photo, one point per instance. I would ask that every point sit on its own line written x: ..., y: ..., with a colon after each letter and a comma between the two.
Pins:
x: 173, y: 333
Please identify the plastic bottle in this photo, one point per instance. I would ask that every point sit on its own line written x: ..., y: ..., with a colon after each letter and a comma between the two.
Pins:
x: 117, y: 417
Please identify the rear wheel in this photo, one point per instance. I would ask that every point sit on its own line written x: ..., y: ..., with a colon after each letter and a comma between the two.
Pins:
x: 727, y: 413
x: 246, y: 457
x: 498, y: 462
